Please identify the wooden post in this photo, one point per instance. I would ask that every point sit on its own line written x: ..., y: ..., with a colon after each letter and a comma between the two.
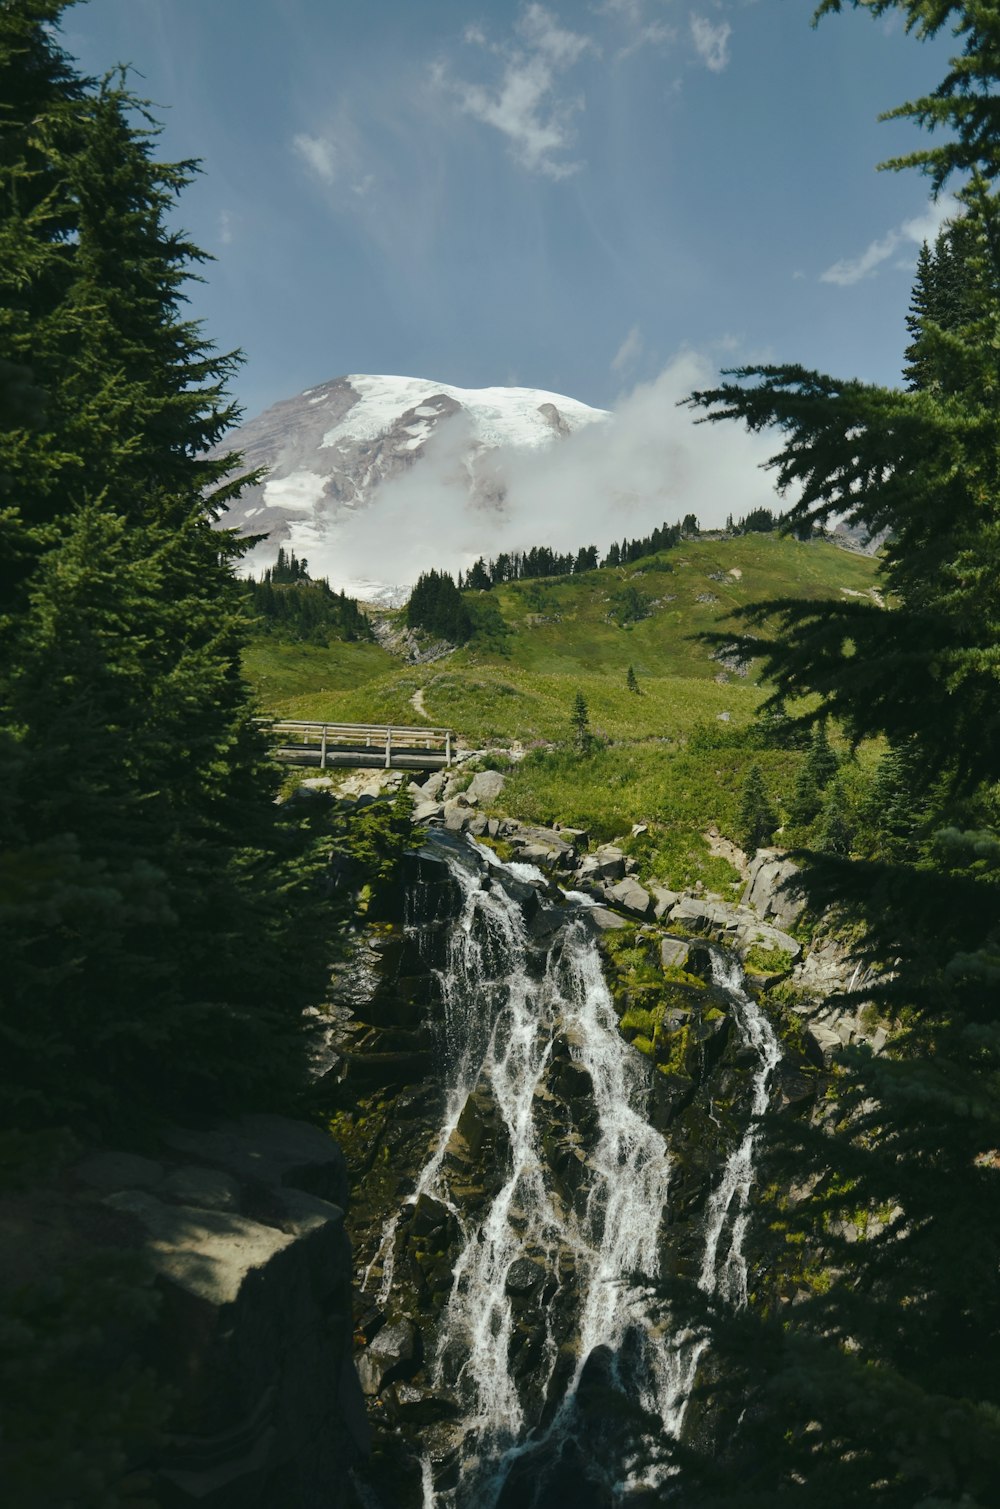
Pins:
x: 388, y: 748
x: 447, y: 748
x: 322, y: 753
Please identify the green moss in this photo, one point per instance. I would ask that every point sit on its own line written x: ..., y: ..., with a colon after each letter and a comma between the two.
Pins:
x: 501, y: 848
x: 767, y: 961
x: 644, y: 1045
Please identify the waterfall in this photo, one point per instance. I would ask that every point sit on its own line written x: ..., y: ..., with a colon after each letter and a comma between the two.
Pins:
x: 505, y: 1012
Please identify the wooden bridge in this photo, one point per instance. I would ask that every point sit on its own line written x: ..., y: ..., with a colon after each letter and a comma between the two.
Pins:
x: 366, y: 746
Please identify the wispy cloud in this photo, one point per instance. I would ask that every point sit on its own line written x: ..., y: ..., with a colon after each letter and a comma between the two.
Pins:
x: 643, y: 28
x: 851, y: 270
x: 333, y: 157
x: 711, y: 41
x: 526, y: 103
x: 226, y: 229
x: 628, y: 352
x: 318, y: 153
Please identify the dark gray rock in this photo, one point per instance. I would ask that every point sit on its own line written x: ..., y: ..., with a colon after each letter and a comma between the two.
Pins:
x: 270, y: 1150
x: 206, y: 1188
x: 393, y: 1353
x: 628, y: 893
x: 112, y: 1170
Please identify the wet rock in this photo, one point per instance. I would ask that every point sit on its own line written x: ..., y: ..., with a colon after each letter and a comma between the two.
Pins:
x: 412, y: 1406
x: 524, y: 1277
x: 393, y: 1353
x: 370, y: 1071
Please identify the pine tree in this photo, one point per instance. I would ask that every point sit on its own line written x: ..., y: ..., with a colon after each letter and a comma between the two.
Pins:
x: 836, y: 829
x: 756, y: 820
x: 806, y: 798
x: 580, y: 722
x: 150, y: 890
x: 879, y: 1384
x: 631, y: 682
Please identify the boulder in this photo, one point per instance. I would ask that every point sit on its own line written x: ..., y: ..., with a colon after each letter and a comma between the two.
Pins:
x: 254, y: 1338
x: 394, y: 1353
x: 674, y: 953
x: 547, y: 838
x: 205, y: 1188
x: 486, y: 786
x: 664, y: 901
x: 609, y: 862
x: 263, y: 1149
x: 427, y: 812
x: 434, y: 785
x: 112, y: 1170
x: 604, y: 921
x: 456, y: 813
x: 632, y: 896
x: 770, y: 888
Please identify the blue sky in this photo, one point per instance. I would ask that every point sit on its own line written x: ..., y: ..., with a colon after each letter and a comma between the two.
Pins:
x: 563, y: 196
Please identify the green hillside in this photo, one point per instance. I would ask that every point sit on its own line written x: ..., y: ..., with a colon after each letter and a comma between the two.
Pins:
x: 673, y: 756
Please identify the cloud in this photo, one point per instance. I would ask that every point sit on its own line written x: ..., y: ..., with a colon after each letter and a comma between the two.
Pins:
x: 225, y: 227
x: 336, y: 155
x: 644, y: 31
x: 318, y: 153
x: 525, y: 104
x: 925, y: 227
x: 647, y: 462
x: 711, y: 42
x: 628, y: 352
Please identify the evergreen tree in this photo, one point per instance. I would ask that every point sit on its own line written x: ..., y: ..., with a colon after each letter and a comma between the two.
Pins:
x: 879, y: 1384
x: 631, y: 682
x: 158, y: 920
x: 836, y: 830
x: 756, y: 820
x: 822, y: 763
x: 807, y: 798
x: 580, y: 722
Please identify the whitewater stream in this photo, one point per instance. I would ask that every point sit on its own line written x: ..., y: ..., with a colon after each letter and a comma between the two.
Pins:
x: 503, y: 1011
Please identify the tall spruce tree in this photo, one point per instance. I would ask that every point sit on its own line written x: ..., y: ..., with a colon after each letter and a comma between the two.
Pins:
x: 878, y: 1385
x: 154, y: 904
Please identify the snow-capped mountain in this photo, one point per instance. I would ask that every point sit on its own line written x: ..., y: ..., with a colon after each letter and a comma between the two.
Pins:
x: 357, y: 463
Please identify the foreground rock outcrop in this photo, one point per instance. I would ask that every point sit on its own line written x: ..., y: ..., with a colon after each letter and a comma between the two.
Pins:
x: 243, y: 1226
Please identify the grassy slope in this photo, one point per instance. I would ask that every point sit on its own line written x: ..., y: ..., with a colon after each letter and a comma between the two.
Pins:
x: 562, y: 641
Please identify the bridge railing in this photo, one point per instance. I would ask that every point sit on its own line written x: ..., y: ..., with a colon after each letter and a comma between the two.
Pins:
x: 370, y: 743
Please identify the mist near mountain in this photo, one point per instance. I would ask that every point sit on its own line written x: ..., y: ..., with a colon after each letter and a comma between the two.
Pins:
x: 375, y: 479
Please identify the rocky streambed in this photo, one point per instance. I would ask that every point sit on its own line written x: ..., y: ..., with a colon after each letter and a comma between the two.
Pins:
x: 543, y: 1093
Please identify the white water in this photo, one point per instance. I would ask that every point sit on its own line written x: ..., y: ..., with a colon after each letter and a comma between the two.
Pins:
x: 501, y: 1023
x: 727, y: 1215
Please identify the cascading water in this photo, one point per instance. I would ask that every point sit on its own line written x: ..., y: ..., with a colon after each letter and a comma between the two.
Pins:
x: 584, y: 1233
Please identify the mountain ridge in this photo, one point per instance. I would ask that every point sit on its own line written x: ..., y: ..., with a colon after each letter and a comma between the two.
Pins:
x: 341, y: 459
